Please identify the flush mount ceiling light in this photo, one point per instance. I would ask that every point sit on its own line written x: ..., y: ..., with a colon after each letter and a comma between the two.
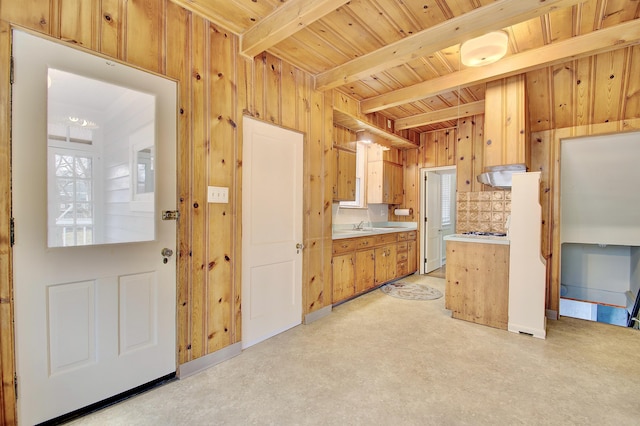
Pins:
x: 484, y: 50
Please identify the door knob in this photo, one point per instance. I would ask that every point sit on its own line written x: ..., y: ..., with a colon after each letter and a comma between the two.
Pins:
x: 166, y: 252
x: 299, y: 247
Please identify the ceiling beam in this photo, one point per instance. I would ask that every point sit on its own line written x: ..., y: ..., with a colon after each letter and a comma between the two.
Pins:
x: 593, y: 43
x: 284, y: 22
x: 446, y: 114
x: 495, y: 16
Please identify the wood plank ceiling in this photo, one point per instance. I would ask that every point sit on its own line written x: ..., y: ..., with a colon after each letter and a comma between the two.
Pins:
x: 401, y: 57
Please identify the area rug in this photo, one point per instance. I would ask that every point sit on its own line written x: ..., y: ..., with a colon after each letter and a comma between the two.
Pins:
x: 411, y: 291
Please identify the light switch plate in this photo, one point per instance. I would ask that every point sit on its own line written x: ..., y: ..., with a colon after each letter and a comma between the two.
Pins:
x: 217, y: 194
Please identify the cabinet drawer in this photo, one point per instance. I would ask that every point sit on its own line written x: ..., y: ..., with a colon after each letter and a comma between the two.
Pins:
x: 385, y: 238
x: 364, y: 242
x: 344, y: 246
x: 403, y: 236
x: 412, y: 235
x: 402, y: 256
x: 402, y: 246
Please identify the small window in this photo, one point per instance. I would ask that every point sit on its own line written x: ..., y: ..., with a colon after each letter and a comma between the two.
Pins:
x: 445, y: 194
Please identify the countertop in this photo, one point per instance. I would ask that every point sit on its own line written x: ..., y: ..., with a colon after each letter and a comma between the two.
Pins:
x: 347, y: 231
x: 485, y: 239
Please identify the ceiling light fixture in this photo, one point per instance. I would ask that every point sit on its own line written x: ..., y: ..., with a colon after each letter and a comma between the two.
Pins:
x: 484, y: 50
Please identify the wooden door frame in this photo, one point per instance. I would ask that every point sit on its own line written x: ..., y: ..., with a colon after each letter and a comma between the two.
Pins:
x: 8, y: 406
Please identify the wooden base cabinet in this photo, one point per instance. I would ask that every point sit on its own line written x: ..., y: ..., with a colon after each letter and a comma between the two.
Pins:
x: 477, y: 282
x: 360, y: 264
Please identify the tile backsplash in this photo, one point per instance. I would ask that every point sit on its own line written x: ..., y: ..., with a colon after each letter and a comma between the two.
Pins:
x: 485, y: 211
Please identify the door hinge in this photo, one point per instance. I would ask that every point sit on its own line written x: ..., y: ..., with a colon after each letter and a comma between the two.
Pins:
x: 12, y: 231
x: 15, y: 383
x: 170, y: 215
x: 426, y: 219
x: 11, y: 77
x: 425, y: 178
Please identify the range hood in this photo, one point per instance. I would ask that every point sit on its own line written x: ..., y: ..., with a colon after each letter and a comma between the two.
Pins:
x: 500, y: 176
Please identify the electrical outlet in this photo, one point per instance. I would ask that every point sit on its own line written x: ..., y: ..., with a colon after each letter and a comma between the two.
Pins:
x: 217, y: 194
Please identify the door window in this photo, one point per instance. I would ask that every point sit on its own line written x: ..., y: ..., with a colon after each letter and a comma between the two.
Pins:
x: 101, y: 162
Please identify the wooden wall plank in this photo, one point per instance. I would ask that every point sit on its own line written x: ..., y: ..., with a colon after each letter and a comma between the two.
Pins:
x: 221, y: 169
x: 323, y: 268
x: 272, y: 90
x: 608, y: 86
x: 200, y: 152
x: 316, y: 178
x: 464, y: 156
x: 563, y: 106
x: 478, y: 151
x: 288, y: 86
x: 111, y: 20
x: 36, y: 15
x: 145, y: 33
x: 538, y: 82
x: 77, y: 22
x: 7, y: 361
x: 179, y: 67
x: 632, y: 95
x: 411, y: 182
x: 259, y: 78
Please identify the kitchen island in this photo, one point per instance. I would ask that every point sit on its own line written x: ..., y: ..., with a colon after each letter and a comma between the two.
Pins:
x: 477, y: 279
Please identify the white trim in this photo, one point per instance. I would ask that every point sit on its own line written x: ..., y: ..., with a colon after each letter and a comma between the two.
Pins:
x: 423, y: 212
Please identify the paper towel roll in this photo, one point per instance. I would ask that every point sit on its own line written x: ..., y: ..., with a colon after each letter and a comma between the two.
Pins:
x: 402, y: 212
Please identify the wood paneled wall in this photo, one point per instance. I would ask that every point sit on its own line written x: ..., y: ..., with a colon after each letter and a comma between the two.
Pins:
x: 216, y: 88
x: 461, y: 147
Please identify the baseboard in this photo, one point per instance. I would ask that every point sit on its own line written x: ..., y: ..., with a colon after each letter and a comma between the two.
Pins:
x: 535, y: 332
x: 197, y: 365
x: 316, y: 315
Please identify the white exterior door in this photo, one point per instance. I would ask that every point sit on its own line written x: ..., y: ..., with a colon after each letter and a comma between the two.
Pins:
x: 271, y: 230
x: 433, y: 237
x: 95, y: 301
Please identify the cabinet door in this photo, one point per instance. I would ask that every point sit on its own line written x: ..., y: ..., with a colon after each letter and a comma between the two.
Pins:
x: 343, y: 277
x: 365, y: 266
x: 345, y: 185
x: 397, y: 184
x: 385, y: 269
x: 375, y: 181
x: 412, y: 257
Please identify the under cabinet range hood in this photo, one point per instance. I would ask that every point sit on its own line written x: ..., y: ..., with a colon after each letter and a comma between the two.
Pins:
x: 500, y: 176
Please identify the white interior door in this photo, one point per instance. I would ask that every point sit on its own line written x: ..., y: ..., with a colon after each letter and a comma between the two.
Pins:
x: 433, y: 239
x: 271, y: 230
x: 95, y: 300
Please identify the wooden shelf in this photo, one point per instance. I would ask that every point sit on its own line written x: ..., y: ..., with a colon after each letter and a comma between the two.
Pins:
x: 356, y: 124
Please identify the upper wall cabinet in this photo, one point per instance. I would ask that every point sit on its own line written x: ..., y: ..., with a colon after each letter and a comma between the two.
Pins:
x: 344, y: 165
x: 384, y: 178
x: 344, y: 187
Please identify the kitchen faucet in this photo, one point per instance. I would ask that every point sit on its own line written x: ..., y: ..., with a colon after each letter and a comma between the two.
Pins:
x: 359, y: 226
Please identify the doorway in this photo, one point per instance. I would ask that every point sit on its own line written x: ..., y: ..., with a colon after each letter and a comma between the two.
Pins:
x: 437, y: 215
x: 94, y: 271
x: 599, y: 234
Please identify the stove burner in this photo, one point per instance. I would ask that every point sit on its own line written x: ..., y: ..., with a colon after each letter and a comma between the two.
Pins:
x: 488, y: 234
